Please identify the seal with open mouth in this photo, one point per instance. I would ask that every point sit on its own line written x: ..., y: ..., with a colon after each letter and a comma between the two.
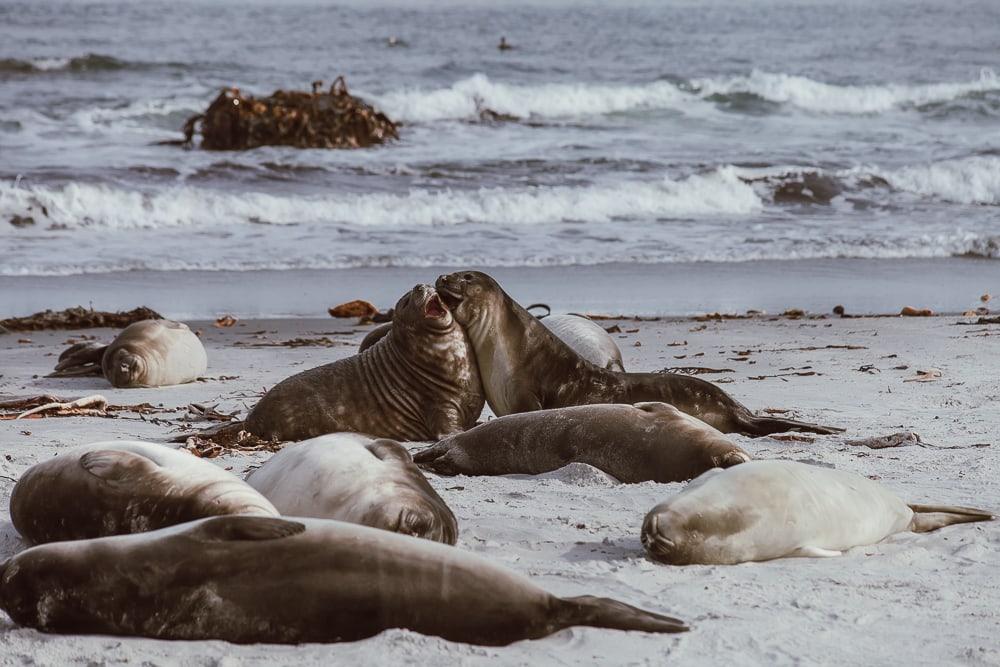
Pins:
x: 526, y: 367
x: 420, y: 382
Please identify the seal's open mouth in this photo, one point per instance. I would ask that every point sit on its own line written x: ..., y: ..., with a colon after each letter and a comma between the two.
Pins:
x: 434, y: 307
x: 452, y: 299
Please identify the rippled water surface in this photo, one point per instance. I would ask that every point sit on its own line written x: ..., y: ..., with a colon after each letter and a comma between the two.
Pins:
x: 651, y: 132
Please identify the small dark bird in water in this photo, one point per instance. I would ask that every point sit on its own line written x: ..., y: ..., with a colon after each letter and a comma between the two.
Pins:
x: 503, y: 45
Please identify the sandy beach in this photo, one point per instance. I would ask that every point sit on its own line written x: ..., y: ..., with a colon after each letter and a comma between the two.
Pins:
x: 915, y: 599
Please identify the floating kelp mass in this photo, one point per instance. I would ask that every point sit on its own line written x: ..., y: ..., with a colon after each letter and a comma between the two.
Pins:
x: 333, y: 119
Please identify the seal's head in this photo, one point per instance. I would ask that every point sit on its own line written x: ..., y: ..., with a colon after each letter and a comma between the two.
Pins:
x: 421, y: 311
x: 470, y: 295
x: 125, y: 369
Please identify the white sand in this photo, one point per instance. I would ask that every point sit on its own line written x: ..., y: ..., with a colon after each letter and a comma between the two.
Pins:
x: 917, y: 599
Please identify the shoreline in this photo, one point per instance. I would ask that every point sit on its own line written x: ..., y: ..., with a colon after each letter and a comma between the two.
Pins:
x: 862, y: 286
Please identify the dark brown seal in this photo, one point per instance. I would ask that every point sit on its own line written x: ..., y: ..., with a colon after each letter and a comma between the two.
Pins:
x: 259, y: 579
x: 525, y: 367
x: 420, y: 382
x: 645, y: 442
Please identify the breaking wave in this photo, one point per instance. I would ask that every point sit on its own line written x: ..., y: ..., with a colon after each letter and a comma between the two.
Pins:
x: 466, y: 98
x: 91, y: 62
x: 84, y: 205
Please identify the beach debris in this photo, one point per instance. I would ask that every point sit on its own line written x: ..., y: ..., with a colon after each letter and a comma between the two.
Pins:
x: 905, y: 439
x: 929, y: 375
x: 614, y: 328
x: 88, y: 405
x: 20, y: 221
x: 985, y: 298
x: 695, y: 370
x: 332, y: 119
x: 910, y: 311
x: 78, y: 318
x: 869, y: 368
x: 224, y: 442
x: 504, y: 45
x: 981, y: 320
x: 794, y: 313
x: 782, y: 376
x: 225, y: 322
x: 199, y: 412
x: 792, y: 437
x: 363, y: 310
x: 839, y: 310
x: 548, y: 310
x: 296, y: 342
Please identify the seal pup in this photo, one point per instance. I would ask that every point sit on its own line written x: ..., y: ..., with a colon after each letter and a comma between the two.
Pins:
x: 351, y: 477
x: 148, y: 353
x: 587, y: 338
x: 250, y: 579
x: 120, y: 487
x: 525, y: 367
x: 772, y: 509
x: 645, y: 442
x: 420, y: 382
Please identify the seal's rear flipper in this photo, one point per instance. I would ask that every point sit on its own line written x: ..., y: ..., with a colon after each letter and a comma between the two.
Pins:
x: 607, y: 613
x: 760, y: 426
x: 931, y: 517
x: 80, y: 359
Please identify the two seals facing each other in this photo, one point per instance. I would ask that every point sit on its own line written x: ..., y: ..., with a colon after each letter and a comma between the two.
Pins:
x: 420, y: 382
x: 645, y: 442
x: 262, y: 579
x: 354, y: 478
x: 149, y: 353
x: 120, y: 487
x: 525, y: 367
x: 773, y: 509
x: 586, y: 337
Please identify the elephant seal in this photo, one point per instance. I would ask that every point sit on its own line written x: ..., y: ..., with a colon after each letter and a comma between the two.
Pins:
x: 120, y: 487
x: 351, y: 477
x: 645, y: 442
x: 587, y: 338
x: 148, y: 353
x: 420, y: 382
x: 772, y: 509
x: 525, y: 367
x: 250, y: 579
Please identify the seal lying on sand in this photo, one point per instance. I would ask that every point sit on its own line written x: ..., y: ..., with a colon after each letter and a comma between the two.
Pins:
x: 150, y: 353
x: 420, y: 382
x: 354, y: 478
x: 114, y: 488
x: 646, y: 442
x: 771, y: 509
x: 526, y: 367
x: 586, y: 337
x: 260, y: 579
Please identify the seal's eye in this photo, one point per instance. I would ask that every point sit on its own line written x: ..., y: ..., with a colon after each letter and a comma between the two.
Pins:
x: 468, y: 276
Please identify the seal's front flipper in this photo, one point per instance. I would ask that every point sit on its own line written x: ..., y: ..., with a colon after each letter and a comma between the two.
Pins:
x: 251, y: 528
x: 607, y: 613
x: 435, y: 458
x: 814, y: 552
x: 114, y: 465
x: 931, y: 517
x: 80, y: 359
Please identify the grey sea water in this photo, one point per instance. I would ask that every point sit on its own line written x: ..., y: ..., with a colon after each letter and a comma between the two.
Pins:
x: 647, y: 132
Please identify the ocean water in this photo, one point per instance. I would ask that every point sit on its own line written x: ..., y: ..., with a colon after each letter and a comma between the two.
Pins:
x: 646, y: 132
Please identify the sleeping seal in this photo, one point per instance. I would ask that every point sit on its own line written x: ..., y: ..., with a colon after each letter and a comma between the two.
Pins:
x: 587, y: 338
x: 149, y: 353
x: 526, y: 367
x: 351, y: 477
x: 645, y: 442
x: 771, y: 509
x: 420, y: 382
x: 262, y: 579
x: 113, y: 488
